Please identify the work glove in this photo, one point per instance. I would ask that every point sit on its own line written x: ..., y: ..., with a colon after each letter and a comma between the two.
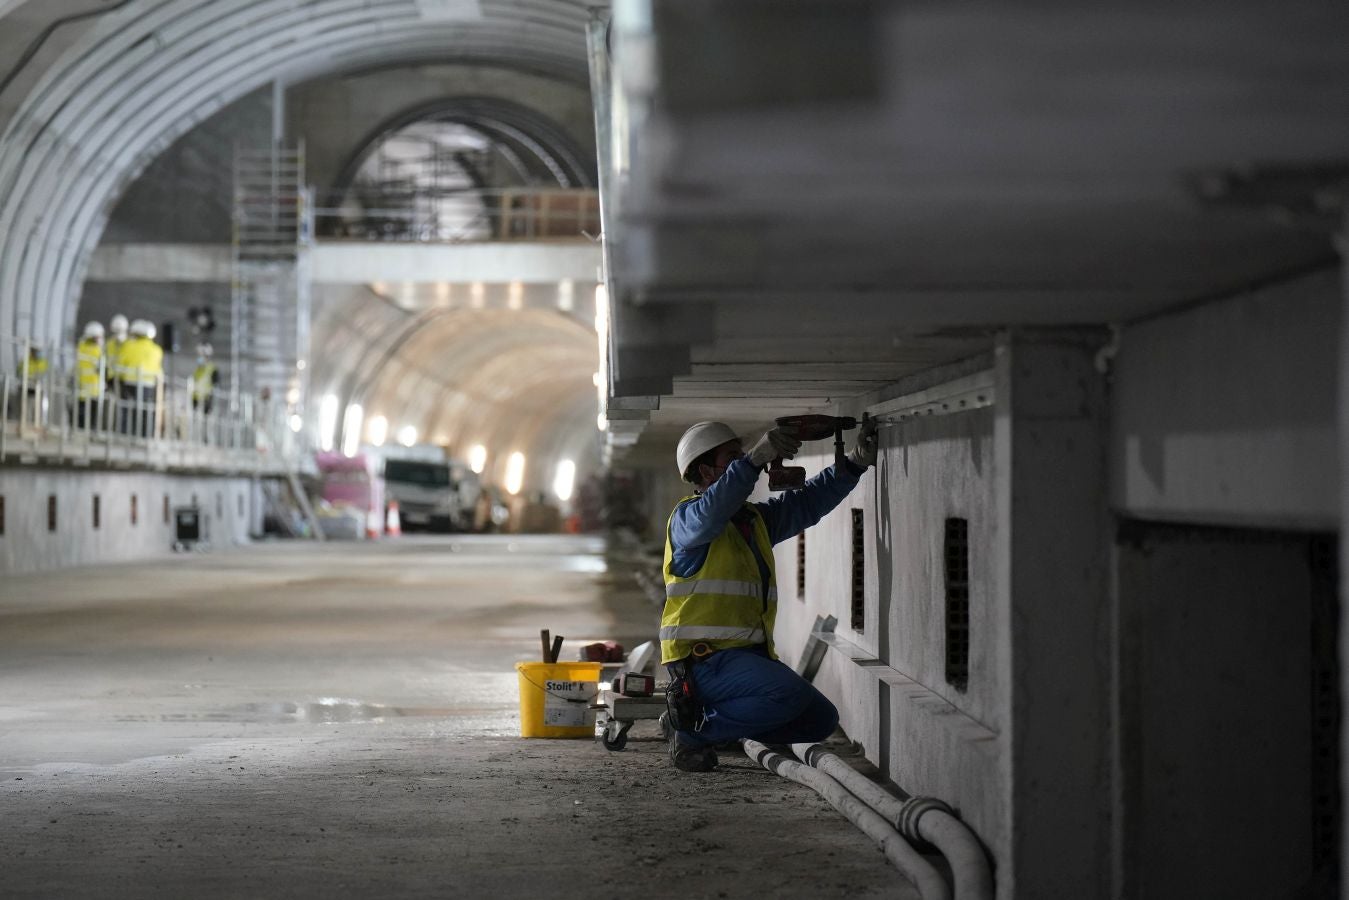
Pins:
x: 863, y: 453
x: 775, y: 444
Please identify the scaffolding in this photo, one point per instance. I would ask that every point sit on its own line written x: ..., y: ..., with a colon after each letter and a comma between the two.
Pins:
x: 269, y: 285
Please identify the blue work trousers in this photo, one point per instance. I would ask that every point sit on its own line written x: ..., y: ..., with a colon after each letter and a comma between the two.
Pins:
x: 747, y: 695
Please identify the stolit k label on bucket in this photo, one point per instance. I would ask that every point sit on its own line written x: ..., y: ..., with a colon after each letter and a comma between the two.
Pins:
x: 565, y: 702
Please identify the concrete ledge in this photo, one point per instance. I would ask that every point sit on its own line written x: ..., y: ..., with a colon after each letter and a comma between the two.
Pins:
x: 959, y: 723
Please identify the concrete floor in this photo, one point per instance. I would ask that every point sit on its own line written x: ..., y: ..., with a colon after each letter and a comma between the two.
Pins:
x: 304, y: 720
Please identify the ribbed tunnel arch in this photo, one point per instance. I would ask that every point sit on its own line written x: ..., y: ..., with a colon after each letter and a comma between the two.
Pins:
x: 508, y: 379
x: 143, y: 75
x: 496, y: 118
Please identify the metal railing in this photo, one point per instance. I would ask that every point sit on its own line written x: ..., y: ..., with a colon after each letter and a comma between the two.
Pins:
x: 496, y: 214
x: 137, y: 420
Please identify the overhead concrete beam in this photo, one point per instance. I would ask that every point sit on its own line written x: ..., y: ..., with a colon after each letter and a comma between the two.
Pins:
x: 344, y: 262
x: 160, y: 262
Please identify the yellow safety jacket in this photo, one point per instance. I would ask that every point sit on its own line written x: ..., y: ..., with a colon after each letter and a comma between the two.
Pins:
x: 32, y: 368
x: 112, y: 349
x: 203, y: 381
x: 140, y: 362
x: 88, y: 369
x: 722, y: 604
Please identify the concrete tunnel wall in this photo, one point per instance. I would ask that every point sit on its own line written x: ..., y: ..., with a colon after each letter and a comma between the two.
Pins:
x: 1226, y: 413
x: 230, y: 507
x: 1235, y: 377
x: 923, y: 733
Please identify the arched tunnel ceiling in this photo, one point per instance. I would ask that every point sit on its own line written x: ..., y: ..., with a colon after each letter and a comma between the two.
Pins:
x: 141, y: 76
x: 509, y: 379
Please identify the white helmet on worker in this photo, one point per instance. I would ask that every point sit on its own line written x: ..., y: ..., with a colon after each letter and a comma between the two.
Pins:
x: 142, y: 328
x: 118, y: 325
x: 698, y: 440
x: 93, y: 330
x: 205, y: 350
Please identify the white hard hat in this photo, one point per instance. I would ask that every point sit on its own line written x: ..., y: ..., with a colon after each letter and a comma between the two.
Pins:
x: 205, y: 350
x: 93, y: 330
x: 142, y: 328
x: 699, y: 439
x: 118, y: 324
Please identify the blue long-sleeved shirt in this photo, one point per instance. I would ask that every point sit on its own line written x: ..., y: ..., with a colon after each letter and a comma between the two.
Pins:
x: 697, y: 523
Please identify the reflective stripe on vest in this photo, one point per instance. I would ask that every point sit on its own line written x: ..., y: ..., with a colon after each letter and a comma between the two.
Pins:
x: 711, y: 633
x: 718, y: 586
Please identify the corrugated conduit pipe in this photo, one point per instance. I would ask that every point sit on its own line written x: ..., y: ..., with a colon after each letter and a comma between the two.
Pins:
x: 917, y: 819
x: 896, y: 849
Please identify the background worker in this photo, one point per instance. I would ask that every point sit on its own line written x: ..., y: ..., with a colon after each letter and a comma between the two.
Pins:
x: 117, y: 336
x: 112, y: 346
x: 89, y: 376
x: 140, y: 366
x: 721, y: 593
x: 204, y: 379
x: 33, y: 366
x: 31, y: 370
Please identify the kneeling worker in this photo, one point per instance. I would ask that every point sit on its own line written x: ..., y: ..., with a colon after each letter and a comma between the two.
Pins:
x: 721, y: 595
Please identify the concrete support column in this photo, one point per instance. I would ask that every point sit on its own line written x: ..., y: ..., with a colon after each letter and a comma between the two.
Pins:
x: 1052, y: 540
x: 1342, y: 243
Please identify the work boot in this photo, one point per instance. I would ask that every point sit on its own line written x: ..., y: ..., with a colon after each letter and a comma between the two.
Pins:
x: 685, y: 757
x: 688, y: 758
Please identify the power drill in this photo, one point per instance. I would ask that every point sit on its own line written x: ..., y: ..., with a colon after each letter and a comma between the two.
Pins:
x: 810, y: 427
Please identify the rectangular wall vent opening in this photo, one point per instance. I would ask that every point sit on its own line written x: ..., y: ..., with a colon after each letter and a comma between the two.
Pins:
x: 135, y: 512
x: 167, y: 517
x: 51, y: 512
x: 97, y: 512
x: 956, y: 553
x: 859, y: 571
x: 1327, y: 806
x: 801, y: 567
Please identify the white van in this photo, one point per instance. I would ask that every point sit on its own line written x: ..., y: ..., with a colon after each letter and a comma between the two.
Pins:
x: 427, y: 495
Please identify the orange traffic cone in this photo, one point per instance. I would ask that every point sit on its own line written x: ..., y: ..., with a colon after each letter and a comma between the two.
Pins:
x: 373, y: 526
x: 393, y: 527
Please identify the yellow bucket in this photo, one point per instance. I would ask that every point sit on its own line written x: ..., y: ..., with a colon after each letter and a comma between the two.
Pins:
x: 555, y: 699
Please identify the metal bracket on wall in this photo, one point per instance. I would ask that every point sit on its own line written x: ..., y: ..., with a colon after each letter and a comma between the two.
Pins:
x: 813, y: 654
x: 962, y: 394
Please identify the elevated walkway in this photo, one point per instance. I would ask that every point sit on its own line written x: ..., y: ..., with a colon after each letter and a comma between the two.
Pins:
x: 42, y: 422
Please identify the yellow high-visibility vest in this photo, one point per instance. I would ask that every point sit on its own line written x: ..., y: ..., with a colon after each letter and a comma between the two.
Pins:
x: 723, y: 603
x: 32, y: 368
x: 140, y: 362
x: 88, y: 359
x: 112, y: 348
x: 203, y: 381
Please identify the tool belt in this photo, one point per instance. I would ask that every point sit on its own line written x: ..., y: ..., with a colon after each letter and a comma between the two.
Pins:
x: 681, y: 697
